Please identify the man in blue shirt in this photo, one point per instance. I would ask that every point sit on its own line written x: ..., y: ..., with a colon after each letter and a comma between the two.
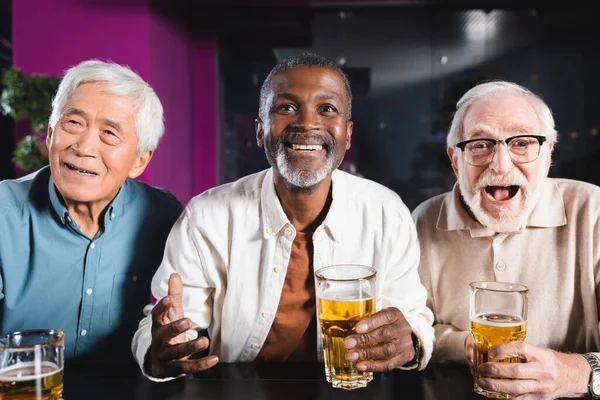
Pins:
x: 81, y: 239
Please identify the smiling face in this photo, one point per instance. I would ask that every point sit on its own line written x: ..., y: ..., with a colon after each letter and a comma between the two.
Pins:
x: 307, y: 131
x: 93, y: 147
x: 502, y: 194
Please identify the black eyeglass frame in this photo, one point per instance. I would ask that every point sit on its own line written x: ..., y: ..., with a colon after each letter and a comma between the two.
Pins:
x: 539, y: 138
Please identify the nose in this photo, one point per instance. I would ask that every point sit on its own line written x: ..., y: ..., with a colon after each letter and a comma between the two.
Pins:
x: 501, y: 162
x: 87, y: 142
x: 307, y: 120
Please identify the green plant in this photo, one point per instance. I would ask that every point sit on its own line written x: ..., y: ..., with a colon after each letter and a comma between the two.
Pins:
x: 29, y: 97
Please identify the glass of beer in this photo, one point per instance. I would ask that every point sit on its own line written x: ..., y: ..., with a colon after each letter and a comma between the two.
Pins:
x: 32, y: 365
x: 345, y: 295
x: 498, y: 314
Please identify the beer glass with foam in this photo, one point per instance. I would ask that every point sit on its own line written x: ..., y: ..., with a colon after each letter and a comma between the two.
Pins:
x: 498, y: 314
x: 345, y: 295
x: 31, y: 365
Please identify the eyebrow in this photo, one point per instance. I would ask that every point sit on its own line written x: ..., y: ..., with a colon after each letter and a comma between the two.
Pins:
x: 71, y: 111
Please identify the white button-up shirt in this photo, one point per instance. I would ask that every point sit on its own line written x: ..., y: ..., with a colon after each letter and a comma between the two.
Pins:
x: 232, y: 246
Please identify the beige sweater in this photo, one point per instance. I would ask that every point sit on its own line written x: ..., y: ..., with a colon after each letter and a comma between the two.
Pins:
x: 557, y: 256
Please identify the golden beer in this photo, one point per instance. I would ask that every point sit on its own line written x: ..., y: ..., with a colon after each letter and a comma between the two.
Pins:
x: 490, y: 330
x: 26, y: 382
x: 338, y: 318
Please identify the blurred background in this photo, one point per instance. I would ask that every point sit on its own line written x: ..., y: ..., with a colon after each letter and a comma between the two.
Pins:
x: 408, y: 63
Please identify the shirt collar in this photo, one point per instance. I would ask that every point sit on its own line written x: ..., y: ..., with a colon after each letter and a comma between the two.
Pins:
x: 274, y: 218
x: 58, y: 206
x: 548, y: 212
x: 115, y: 209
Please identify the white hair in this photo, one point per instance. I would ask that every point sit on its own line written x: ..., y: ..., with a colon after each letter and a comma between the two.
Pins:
x: 487, y: 90
x: 122, y: 81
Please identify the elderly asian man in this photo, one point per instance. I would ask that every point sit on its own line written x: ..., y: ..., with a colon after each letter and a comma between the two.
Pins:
x: 81, y: 239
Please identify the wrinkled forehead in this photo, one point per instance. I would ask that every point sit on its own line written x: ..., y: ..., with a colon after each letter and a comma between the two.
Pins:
x: 309, y: 79
x: 501, y: 116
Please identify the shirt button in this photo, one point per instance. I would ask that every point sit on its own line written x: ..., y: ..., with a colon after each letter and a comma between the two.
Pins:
x: 277, y: 269
x: 266, y: 314
x: 500, y: 266
x: 89, y: 291
x: 112, y: 215
x: 287, y: 231
x: 269, y: 231
x: 92, y: 245
x: 68, y: 219
x: 134, y: 278
x: 255, y: 346
x: 83, y: 332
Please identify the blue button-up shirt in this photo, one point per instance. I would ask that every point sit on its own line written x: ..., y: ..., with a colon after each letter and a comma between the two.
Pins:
x: 53, y: 276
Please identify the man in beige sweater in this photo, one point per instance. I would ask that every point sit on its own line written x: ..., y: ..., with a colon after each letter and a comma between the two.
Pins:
x: 505, y: 220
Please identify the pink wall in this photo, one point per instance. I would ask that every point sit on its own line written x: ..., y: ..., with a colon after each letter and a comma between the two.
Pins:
x: 205, y: 147
x: 52, y: 35
x: 170, y: 77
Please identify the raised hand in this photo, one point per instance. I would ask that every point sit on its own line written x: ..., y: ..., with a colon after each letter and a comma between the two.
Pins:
x: 169, y: 351
x: 383, y: 341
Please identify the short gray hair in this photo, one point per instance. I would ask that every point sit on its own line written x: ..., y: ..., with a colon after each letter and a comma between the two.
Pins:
x: 301, y: 60
x: 487, y: 90
x: 122, y: 81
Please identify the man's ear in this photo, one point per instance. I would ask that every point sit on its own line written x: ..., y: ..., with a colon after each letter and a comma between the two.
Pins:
x: 549, y: 157
x: 349, y: 135
x: 260, y: 132
x: 140, y: 163
x: 49, y: 137
x: 453, y: 156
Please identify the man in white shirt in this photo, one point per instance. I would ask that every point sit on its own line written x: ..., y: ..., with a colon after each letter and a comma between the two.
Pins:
x: 240, y: 260
x: 505, y: 220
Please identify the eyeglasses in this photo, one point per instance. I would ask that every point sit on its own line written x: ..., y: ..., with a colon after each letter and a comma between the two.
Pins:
x: 521, y: 149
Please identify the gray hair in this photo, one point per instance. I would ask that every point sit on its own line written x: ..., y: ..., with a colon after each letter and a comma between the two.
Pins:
x: 122, y: 81
x: 487, y: 90
x: 301, y: 60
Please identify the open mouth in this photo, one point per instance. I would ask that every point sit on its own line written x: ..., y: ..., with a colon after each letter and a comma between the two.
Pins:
x: 81, y: 171
x: 502, y: 193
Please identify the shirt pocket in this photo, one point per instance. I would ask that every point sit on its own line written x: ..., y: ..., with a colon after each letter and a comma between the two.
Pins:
x: 130, y: 293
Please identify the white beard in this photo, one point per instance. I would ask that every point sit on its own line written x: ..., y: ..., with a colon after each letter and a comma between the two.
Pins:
x: 504, y: 223
x: 302, y: 178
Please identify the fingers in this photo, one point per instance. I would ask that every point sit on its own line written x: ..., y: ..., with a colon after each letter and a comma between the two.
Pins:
x: 382, y: 343
x: 384, y: 326
x: 176, y: 295
x: 507, y: 370
x: 186, y: 366
x: 515, y: 387
x: 382, y: 365
x: 387, y: 316
x: 384, y: 351
x: 514, y: 349
x: 171, y: 333
x: 202, y: 364
x: 167, y: 353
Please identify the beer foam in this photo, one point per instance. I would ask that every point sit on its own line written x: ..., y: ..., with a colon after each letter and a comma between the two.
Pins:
x: 11, y: 373
x: 509, y: 322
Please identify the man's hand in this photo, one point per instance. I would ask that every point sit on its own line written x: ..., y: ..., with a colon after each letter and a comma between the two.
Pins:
x: 545, y: 374
x: 383, y: 341
x: 169, y: 350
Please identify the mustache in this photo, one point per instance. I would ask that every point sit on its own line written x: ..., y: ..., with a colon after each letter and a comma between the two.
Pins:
x: 291, y: 136
x: 513, y: 178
